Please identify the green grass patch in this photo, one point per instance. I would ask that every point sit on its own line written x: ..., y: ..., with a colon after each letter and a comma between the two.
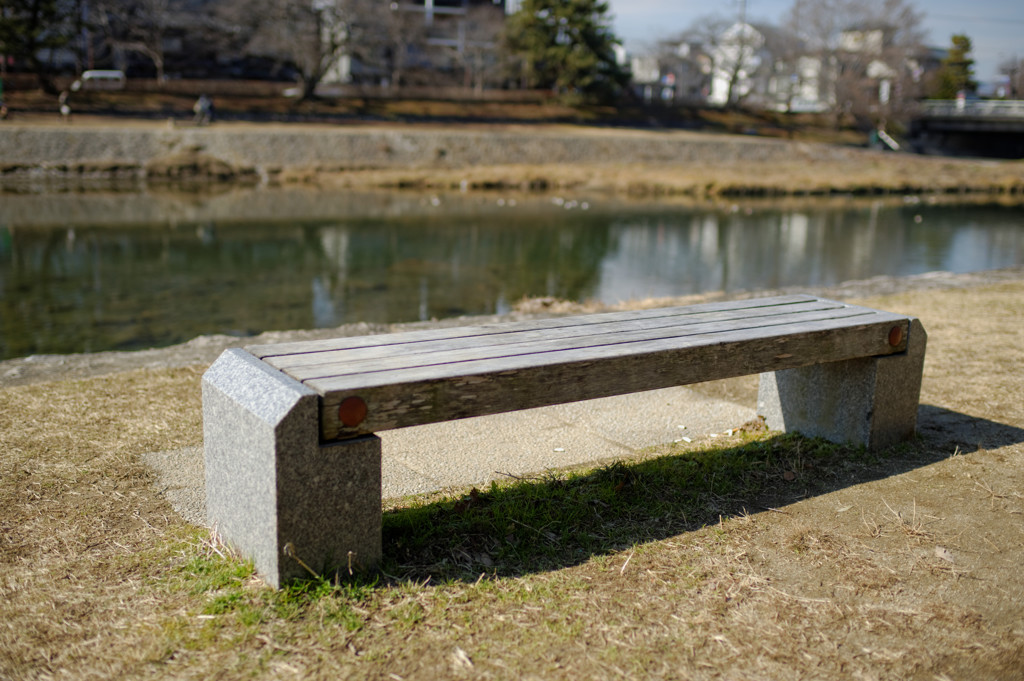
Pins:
x: 522, y: 527
x: 210, y: 573
x: 565, y: 518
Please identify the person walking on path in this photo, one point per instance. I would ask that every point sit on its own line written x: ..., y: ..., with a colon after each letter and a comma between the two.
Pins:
x: 65, y: 108
x: 203, y: 110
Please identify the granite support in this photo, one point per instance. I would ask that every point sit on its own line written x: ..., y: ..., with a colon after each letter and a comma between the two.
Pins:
x: 276, y: 494
x: 870, y: 401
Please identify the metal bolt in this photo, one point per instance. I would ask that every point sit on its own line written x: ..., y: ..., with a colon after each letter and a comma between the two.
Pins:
x: 895, y: 336
x: 352, y: 411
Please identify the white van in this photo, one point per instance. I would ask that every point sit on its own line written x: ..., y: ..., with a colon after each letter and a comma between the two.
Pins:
x: 99, y: 79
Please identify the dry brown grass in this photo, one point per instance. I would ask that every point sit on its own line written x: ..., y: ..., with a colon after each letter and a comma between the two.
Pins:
x: 908, y: 568
x: 854, y: 174
x: 81, y: 527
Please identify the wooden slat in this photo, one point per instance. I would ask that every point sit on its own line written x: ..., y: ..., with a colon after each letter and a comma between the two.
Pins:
x: 430, y: 401
x: 871, y: 335
x: 454, y: 360
x: 325, y: 363
x: 504, y: 328
x: 415, y: 395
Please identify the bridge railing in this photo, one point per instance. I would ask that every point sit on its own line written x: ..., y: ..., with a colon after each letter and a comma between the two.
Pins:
x: 979, y: 108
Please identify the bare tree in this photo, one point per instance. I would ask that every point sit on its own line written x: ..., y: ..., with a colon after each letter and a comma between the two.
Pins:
x: 865, y: 48
x: 1013, y: 69
x: 476, y: 46
x: 737, y: 60
x: 312, y: 35
x: 733, y: 49
x: 136, y: 26
x: 399, y: 43
x: 794, y: 76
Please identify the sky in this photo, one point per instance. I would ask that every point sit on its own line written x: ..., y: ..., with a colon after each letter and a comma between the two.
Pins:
x: 996, y: 27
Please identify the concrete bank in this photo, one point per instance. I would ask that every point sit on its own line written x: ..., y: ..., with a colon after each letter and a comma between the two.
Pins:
x: 610, y: 161
x: 277, y: 146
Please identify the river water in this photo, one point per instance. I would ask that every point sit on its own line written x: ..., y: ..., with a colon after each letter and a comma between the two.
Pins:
x: 124, y: 271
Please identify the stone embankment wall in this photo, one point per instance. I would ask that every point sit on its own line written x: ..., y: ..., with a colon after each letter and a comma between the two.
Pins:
x: 274, y: 148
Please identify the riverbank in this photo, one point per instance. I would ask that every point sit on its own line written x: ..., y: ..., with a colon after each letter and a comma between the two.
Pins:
x: 93, y: 153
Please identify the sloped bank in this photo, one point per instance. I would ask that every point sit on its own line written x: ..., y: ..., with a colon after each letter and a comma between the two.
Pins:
x: 625, y: 161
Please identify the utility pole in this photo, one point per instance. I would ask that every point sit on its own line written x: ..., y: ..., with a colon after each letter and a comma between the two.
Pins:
x: 1014, y: 73
x: 736, y: 72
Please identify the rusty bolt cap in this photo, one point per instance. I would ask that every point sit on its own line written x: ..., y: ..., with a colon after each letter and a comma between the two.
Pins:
x: 352, y: 411
x: 895, y: 336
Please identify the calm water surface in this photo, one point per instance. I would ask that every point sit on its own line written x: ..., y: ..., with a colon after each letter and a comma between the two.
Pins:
x: 77, y: 277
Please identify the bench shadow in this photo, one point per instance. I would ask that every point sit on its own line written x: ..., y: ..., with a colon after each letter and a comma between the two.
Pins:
x: 945, y: 428
x: 559, y: 520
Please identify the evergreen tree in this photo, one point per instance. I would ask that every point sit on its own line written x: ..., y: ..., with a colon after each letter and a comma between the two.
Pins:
x: 28, y: 27
x: 567, y: 46
x: 957, y: 72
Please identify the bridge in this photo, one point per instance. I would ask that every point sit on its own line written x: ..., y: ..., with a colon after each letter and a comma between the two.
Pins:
x: 970, y: 127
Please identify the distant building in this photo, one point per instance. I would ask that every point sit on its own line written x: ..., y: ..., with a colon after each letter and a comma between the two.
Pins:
x: 763, y: 66
x: 736, y: 60
x: 447, y: 42
x: 797, y: 85
x: 678, y: 74
x: 449, y: 22
x: 875, y: 76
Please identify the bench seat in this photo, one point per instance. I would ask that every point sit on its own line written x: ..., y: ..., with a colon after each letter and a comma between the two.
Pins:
x: 290, y: 413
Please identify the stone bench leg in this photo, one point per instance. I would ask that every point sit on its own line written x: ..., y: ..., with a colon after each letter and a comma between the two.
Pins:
x: 871, y: 402
x: 273, y: 491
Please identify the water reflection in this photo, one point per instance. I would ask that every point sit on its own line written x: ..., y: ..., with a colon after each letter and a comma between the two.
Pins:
x: 679, y: 254
x: 74, y: 286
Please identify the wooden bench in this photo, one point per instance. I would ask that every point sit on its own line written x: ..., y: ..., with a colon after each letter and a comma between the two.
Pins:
x: 293, y: 468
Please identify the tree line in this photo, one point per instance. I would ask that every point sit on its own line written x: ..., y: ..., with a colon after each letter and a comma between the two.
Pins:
x: 563, y: 45
x: 547, y: 44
